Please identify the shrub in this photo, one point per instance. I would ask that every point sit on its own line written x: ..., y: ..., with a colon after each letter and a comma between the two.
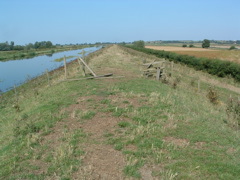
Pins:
x: 213, y: 95
x: 232, y: 48
x: 139, y: 44
x: 233, y: 110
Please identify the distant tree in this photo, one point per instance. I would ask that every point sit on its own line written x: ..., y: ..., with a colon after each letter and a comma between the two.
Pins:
x: 49, y: 44
x: 5, y: 46
x: 11, y: 45
x: 232, y: 48
x: 123, y: 43
x: 191, y: 45
x: 205, y: 43
x: 29, y: 46
x: 139, y: 44
x: 18, y: 48
x: 184, y: 45
x: 37, y: 45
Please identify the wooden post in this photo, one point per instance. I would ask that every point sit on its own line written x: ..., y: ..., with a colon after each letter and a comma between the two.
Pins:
x: 198, y: 85
x: 88, y: 67
x: 82, y: 66
x: 65, y: 67
x: 48, y: 77
x: 158, y: 73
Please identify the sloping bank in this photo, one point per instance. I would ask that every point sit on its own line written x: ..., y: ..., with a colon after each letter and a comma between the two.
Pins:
x: 216, y: 67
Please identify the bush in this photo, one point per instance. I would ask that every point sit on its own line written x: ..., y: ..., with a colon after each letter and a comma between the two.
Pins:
x: 233, y: 110
x: 213, y: 95
x: 184, y: 45
x: 232, y: 48
x: 139, y: 44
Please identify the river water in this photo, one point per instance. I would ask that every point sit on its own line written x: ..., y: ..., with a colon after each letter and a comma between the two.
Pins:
x: 16, y: 72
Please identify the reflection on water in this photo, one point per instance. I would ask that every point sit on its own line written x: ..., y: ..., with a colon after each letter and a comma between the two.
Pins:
x: 16, y: 72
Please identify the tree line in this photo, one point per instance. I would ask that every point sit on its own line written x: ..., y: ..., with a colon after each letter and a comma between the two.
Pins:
x: 6, y: 46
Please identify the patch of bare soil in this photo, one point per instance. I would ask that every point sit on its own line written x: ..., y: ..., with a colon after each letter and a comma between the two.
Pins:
x: 199, y: 145
x: 176, y: 142
x: 100, y: 124
x: 231, y: 151
x: 146, y: 173
x: 101, y: 162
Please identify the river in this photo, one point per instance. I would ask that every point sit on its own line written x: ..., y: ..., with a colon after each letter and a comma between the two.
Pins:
x: 16, y: 72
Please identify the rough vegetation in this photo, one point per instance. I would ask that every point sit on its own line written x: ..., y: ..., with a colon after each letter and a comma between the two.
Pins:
x: 212, y: 66
x: 123, y: 128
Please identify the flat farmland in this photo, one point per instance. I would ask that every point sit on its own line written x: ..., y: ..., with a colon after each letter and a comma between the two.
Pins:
x: 233, y: 55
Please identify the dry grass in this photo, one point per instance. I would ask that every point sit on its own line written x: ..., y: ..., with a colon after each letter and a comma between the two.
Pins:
x: 171, y: 48
x: 233, y: 55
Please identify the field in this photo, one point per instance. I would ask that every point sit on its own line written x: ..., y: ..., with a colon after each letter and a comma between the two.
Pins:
x: 233, y: 55
x: 182, y: 127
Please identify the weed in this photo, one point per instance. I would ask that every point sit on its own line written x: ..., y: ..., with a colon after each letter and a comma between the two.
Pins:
x: 105, y: 101
x: 88, y: 115
x: 193, y: 82
x: 118, y: 146
x: 123, y: 124
x: 213, y: 95
x: 233, y: 110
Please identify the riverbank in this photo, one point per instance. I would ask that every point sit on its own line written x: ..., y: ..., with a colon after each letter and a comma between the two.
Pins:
x: 14, y: 55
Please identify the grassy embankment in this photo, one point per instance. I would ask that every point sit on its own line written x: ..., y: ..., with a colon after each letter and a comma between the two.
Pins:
x: 10, y: 55
x: 115, y: 128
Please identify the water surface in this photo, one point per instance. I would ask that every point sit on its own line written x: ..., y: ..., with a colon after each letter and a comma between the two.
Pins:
x: 16, y: 72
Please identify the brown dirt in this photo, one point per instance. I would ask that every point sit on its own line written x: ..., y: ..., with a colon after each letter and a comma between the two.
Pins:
x: 200, y: 145
x: 176, y: 142
x: 101, y: 162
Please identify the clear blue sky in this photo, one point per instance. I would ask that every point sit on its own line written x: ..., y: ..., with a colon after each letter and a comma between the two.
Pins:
x: 80, y: 21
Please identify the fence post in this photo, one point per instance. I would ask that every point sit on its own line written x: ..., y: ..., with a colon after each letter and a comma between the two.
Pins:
x: 65, y: 67
x: 82, y: 66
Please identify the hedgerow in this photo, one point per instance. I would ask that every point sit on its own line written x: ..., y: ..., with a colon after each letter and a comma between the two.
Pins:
x: 212, y: 66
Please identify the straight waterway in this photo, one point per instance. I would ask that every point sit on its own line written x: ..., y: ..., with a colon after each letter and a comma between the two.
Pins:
x: 15, y: 72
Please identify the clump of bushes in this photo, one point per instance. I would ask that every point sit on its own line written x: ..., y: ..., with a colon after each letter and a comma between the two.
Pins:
x: 232, y: 48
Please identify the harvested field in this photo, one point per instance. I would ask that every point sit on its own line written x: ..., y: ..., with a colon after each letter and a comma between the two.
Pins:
x: 233, y: 56
x: 171, y: 48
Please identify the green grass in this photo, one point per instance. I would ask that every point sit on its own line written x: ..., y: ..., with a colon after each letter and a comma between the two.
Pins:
x: 176, y: 132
